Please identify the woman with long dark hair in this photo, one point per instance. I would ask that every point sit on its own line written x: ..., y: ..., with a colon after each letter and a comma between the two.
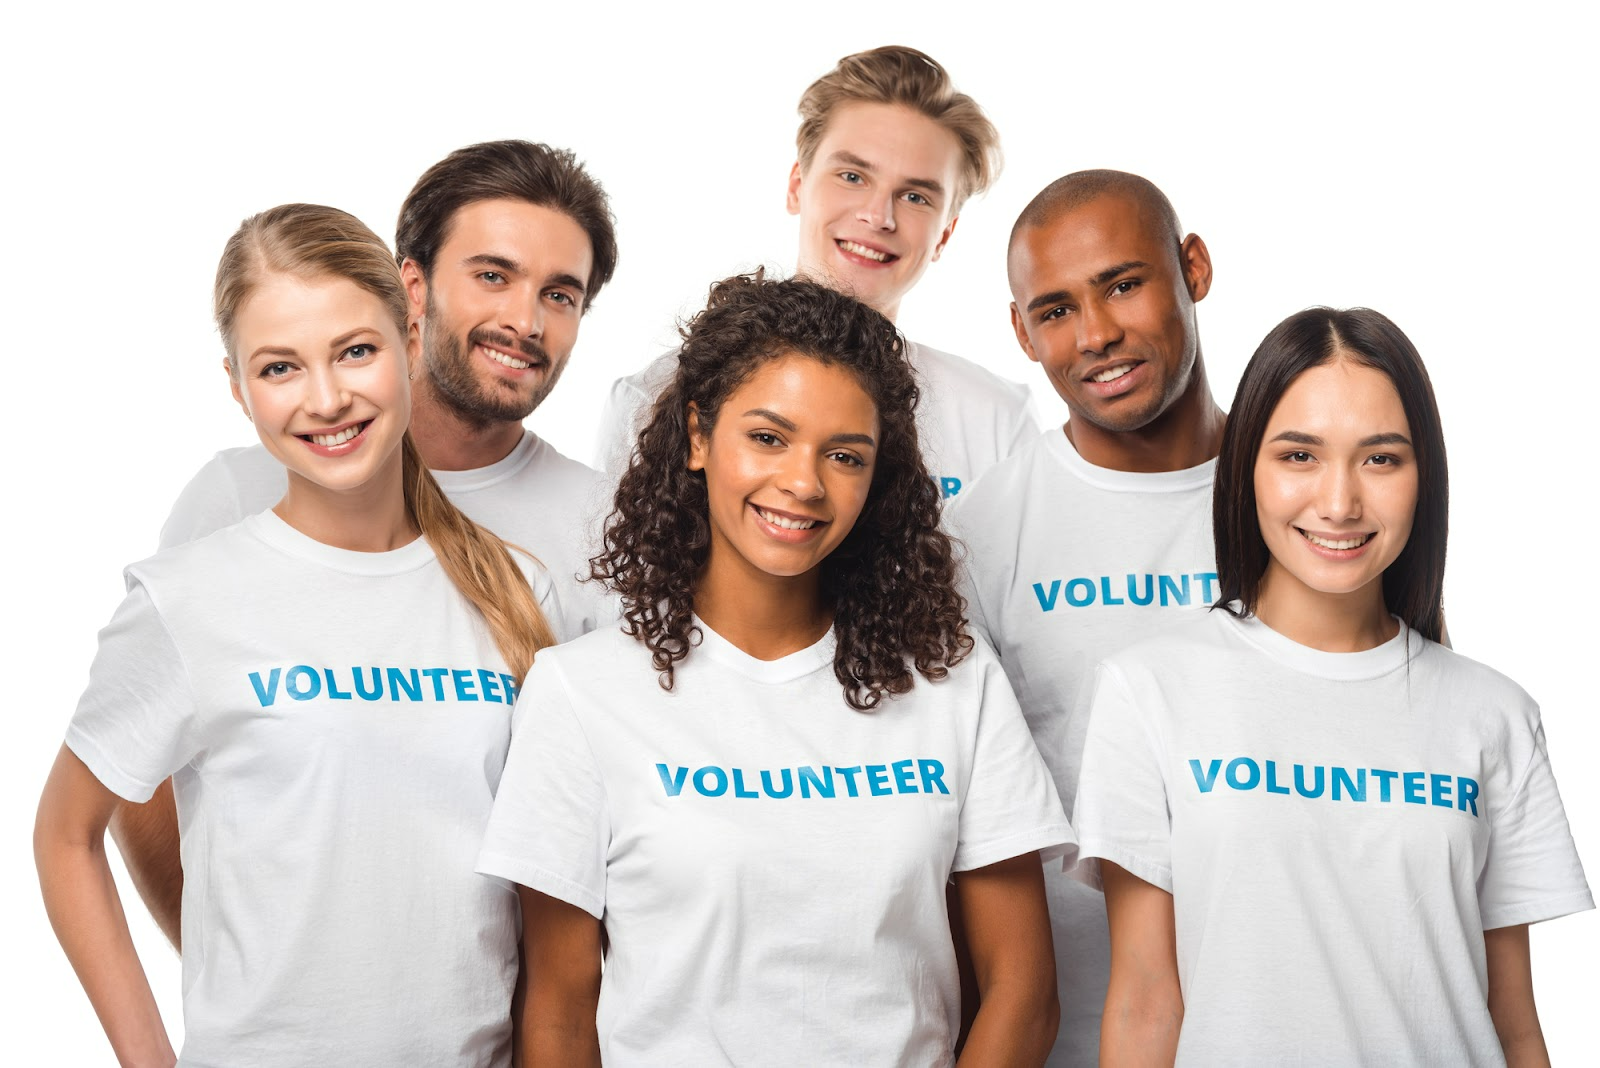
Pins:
x: 329, y: 684
x: 1322, y: 834
x: 752, y: 795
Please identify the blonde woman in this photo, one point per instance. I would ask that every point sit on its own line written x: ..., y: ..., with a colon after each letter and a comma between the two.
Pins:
x: 329, y: 684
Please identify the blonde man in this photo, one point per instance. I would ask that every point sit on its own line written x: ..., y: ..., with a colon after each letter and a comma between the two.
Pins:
x: 887, y: 153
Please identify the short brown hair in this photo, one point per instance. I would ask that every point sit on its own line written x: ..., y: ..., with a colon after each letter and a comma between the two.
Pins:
x: 895, y: 74
x: 507, y: 170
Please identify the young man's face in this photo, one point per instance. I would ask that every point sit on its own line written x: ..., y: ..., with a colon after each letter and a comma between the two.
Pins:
x: 1103, y: 300
x: 875, y: 204
x: 501, y: 307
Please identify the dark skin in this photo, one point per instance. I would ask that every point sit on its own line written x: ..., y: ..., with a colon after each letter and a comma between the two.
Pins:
x: 1104, y: 290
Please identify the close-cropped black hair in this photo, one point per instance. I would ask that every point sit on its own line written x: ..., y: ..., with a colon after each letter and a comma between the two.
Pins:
x: 891, y: 582
x: 1413, y: 586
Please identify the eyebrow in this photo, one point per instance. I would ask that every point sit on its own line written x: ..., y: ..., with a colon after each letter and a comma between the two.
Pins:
x: 1296, y: 437
x: 1056, y: 296
x: 789, y: 425
x: 346, y: 338
x: 850, y: 159
x: 271, y: 350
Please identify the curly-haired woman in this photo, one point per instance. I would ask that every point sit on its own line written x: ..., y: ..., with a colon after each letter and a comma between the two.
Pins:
x: 746, y: 795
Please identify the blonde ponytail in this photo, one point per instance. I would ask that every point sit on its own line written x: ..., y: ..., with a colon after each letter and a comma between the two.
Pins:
x: 479, y: 564
x: 311, y: 241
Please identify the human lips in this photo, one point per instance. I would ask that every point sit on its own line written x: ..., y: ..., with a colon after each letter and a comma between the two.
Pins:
x: 509, y: 354
x: 1112, y: 378
x: 1337, y: 545
x: 861, y: 251
x: 337, y: 440
x: 787, y: 526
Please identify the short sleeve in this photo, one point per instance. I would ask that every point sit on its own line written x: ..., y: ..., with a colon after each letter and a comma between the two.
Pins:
x: 208, y: 503
x: 549, y: 829
x: 620, y: 423
x: 1011, y: 806
x: 136, y: 723
x: 966, y: 570
x: 1121, y: 812
x: 1025, y: 426
x: 1531, y: 871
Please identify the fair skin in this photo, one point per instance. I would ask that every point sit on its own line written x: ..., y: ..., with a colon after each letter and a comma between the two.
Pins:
x: 1336, y: 492
x: 788, y: 467
x: 512, y: 275
x: 1103, y: 299
x: 877, y: 204
x: 322, y: 372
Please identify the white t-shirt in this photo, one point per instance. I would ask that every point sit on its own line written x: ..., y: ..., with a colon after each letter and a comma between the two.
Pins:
x: 1337, y: 831
x: 1066, y: 564
x: 769, y: 863
x: 968, y: 418
x: 334, y: 763
x: 534, y: 498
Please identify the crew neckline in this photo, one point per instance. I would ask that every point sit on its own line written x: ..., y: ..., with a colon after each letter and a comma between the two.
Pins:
x: 795, y: 665
x: 271, y: 528
x: 482, y: 477
x: 1372, y: 663
x: 1189, y: 478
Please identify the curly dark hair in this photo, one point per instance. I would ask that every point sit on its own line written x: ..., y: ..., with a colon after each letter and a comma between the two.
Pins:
x: 891, y: 581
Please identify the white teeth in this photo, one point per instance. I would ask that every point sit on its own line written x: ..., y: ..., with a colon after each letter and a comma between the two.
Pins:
x: 1111, y: 374
x: 785, y: 523
x: 330, y: 440
x: 862, y: 250
x: 509, y: 361
x: 1340, y: 543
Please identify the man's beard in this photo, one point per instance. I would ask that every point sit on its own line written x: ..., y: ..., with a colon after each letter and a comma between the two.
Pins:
x: 449, y: 366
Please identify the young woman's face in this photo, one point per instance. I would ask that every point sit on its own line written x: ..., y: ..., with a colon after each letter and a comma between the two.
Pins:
x: 788, y: 466
x: 1335, y: 482
x: 323, y: 376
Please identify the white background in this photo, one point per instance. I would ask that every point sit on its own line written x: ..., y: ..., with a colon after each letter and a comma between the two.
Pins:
x: 1438, y: 167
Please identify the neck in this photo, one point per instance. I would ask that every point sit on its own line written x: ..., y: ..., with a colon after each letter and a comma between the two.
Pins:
x: 1186, y: 435
x: 367, y: 519
x: 763, y: 615
x: 451, y: 441
x: 1332, y: 622
x: 889, y: 310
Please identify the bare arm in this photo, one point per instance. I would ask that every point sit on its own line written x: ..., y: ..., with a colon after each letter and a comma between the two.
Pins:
x: 81, y: 900
x: 1511, y: 1007
x: 1007, y: 925
x: 147, y: 837
x: 561, y: 966
x: 1144, y: 1005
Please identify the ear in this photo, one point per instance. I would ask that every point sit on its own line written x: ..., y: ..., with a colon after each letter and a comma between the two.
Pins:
x: 698, y: 445
x: 1020, y: 328
x: 416, y: 283
x: 413, y: 348
x: 1195, y: 259
x: 238, y: 393
x: 793, y: 200
x: 944, y: 239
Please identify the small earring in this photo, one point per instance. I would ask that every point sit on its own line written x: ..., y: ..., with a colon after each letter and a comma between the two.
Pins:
x: 411, y: 376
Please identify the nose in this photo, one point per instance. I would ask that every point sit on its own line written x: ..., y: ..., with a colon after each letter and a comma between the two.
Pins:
x: 800, y: 478
x: 877, y: 209
x: 522, y: 315
x: 1098, y: 329
x: 1339, y: 494
x: 326, y: 396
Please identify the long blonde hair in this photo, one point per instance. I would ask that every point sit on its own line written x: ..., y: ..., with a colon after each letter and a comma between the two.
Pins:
x: 310, y: 241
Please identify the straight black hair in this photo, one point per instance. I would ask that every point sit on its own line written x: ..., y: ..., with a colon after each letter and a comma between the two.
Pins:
x: 1413, y: 586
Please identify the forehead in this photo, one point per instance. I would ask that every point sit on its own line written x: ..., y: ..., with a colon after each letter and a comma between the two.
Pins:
x: 807, y: 392
x: 1338, y: 400
x: 1077, y: 244
x: 519, y: 230
x: 891, y: 137
x: 287, y: 308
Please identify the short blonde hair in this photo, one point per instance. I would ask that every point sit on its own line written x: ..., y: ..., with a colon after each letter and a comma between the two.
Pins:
x: 895, y: 74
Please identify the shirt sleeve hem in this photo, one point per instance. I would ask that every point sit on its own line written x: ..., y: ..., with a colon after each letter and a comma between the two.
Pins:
x: 1153, y: 872
x: 1052, y: 840
x: 111, y: 777
x: 1547, y: 908
x: 546, y: 882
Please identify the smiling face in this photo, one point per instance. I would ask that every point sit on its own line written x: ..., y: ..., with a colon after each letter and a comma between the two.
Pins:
x: 322, y: 373
x: 876, y: 202
x: 500, y: 308
x: 788, y: 466
x: 1103, y: 299
x: 1336, y: 488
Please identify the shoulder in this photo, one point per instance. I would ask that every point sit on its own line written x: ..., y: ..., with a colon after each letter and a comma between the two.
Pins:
x: 605, y: 652
x: 976, y: 384
x: 1180, y: 636
x: 1478, y: 682
x: 649, y: 380
x: 1000, y: 487
x: 554, y: 468
x: 209, y: 567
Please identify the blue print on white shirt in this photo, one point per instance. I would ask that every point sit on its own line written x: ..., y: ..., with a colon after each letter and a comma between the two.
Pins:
x: 860, y: 780
x: 1146, y: 589
x: 1342, y: 784
x: 303, y: 682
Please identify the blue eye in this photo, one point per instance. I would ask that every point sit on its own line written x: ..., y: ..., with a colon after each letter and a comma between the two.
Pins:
x: 359, y: 352
x: 276, y: 370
